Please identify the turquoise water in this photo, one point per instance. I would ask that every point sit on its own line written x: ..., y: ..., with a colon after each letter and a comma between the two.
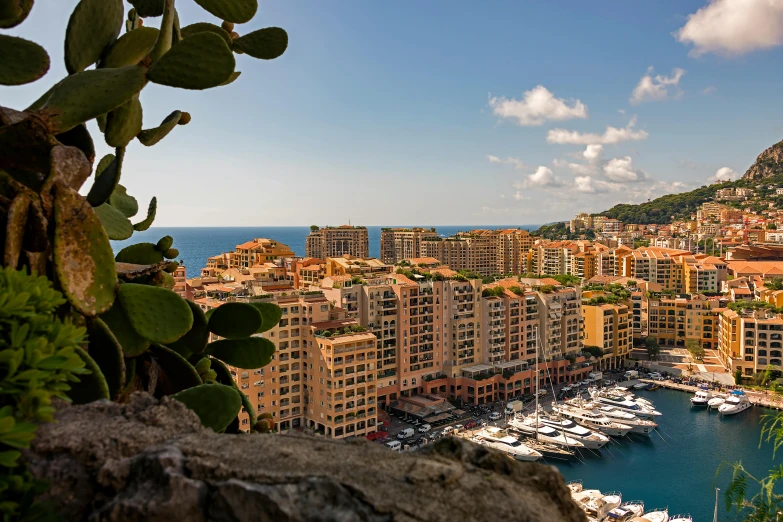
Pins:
x: 196, y: 244
x: 679, y: 472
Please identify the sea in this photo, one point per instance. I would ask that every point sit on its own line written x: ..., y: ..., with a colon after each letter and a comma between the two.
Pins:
x: 196, y: 244
x: 677, y: 465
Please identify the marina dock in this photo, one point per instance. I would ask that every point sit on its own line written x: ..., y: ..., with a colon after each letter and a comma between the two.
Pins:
x: 774, y: 402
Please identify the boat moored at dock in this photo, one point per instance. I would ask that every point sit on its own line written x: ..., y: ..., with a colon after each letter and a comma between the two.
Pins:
x: 499, y: 440
x: 626, y: 511
x: 736, y: 402
x: 592, y: 419
x: 701, y: 398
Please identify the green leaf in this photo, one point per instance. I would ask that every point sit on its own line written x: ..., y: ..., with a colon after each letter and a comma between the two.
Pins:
x: 91, y: 387
x: 125, y: 203
x: 147, y: 223
x: 249, y: 353
x: 86, y: 95
x: 157, y: 314
x: 15, y: 17
x: 215, y: 404
x: 199, y: 62
x: 236, y: 11
x: 131, y: 342
x: 93, y: 26
x: 147, y: 8
x: 140, y: 254
x: 23, y: 61
x: 105, y: 181
x: 9, y: 459
x: 83, y: 258
x: 131, y: 48
x: 266, y: 44
x: 202, y: 27
x: 123, y: 123
x: 195, y: 341
x: 149, y: 137
x: 53, y: 362
x: 271, y: 314
x: 235, y: 320
x: 117, y: 226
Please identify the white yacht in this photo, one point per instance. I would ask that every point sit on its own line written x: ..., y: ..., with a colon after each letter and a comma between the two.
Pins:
x: 681, y: 518
x: 598, y: 508
x: 735, y: 403
x: 623, y: 404
x: 590, y: 439
x: 592, y: 419
x: 702, y: 398
x: 715, y: 402
x: 585, y: 495
x: 575, y: 486
x: 529, y: 427
x: 497, y: 439
x: 639, y: 386
x: 656, y: 515
x: 624, y: 513
x: 639, y: 426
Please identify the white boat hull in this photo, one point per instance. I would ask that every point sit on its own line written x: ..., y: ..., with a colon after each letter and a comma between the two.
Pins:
x: 726, y: 409
x: 698, y: 402
x: 715, y: 403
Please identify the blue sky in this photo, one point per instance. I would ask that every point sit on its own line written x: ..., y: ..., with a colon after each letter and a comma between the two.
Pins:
x: 417, y: 113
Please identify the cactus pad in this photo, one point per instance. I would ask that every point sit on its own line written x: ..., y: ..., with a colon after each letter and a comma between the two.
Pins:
x: 23, y: 61
x: 117, y: 226
x: 178, y: 373
x: 162, y: 279
x: 195, y: 341
x: 147, y: 223
x: 131, y: 48
x: 249, y: 408
x: 156, y: 314
x: 235, y: 320
x: 83, y: 258
x: 140, y: 254
x: 199, y: 62
x: 216, y: 405
x: 234, y: 76
x: 92, y: 386
x: 249, y: 353
x: 150, y: 137
x: 86, y: 95
x: 271, y: 314
x: 106, y: 181
x: 164, y: 243
x: 125, y: 203
x: 131, y: 342
x: 123, y: 123
x: 205, y: 27
x: 16, y: 16
x: 93, y: 26
x: 266, y: 44
x: 237, y: 11
x: 147, y: 8
x: 107, y: 353
x: 171, y: 253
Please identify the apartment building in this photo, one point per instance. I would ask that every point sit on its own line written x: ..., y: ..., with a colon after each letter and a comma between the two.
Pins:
x: 751, y: 342
x: 552, y: 257
x: 698, y: 275
x: 672, y: 321
x: 486, y: 252
x: 608, y: 326
x: 339, y: 241
x: 512, y: 250
x: 181, y: 286
x: 257, y: 251
x: 559, y: 320
x: 403, y: 243
x: 611, y: 227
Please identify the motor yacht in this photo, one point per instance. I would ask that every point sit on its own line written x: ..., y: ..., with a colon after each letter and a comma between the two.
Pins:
x: 496, y: 438
x: 589, y: 438
x: 656, y: 515
x: 623, y: 404
x: 586, y: 495
x: 640, y: 386
x: 626, y: 511
x: 530, y: 428
x: 593, y: 420
x: 638, y: 426
x: 702, y: 398
x: 598, y: 508
x: 716, y: 400
x: 681, y: 518
x: 736, y: 402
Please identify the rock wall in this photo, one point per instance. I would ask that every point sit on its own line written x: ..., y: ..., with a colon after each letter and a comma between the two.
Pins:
x: 151, y: 460
x: 768, y: 164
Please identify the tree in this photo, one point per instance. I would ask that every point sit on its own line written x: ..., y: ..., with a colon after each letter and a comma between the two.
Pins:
x: 738, y: 376
x: 594, y: 351
x: 776, y: 283
x: 314, y: 228
x: 695, y: 348
x: 653, y: 349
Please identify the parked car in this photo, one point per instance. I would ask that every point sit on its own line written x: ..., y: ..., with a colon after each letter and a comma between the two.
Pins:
x: 394, y: 445
x: 471, y: 424
x: 406, y: 433
x: 458, y: 428
x: 424, y: 428
x: 495, y: 416
x: 435, y: 435
x: 448, y: 430
x: 422, y: 441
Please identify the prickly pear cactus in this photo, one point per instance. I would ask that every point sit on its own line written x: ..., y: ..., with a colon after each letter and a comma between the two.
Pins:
x: 141, y: 334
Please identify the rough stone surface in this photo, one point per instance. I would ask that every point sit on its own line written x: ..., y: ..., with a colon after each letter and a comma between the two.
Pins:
x: 768, y: 164
x: 151, y: 460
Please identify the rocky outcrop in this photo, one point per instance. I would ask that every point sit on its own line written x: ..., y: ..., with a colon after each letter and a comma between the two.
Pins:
x: 151, y: 460
x: 768, y: 164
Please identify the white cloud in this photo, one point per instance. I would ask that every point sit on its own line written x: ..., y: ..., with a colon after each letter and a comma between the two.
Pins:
x: 710, y: 89
x: 593, y: 152
x: 537, y: 106
x: 610, y: 136
x: 518, y: 196
x: 589, y: 185
x: 620, y: 170
x: 542, y: 177
x: 657, y: 88
x: 516, y: 162
x: 733, y: 27
x: 724, y: 174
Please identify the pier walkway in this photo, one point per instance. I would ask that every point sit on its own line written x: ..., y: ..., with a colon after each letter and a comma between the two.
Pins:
x: 756, y: 397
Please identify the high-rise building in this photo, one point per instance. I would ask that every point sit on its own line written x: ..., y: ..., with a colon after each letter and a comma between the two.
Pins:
x: 339, y: 241
x: 485, y: 252
x: 403, y: 243
x: 672, y: 321
x: 257, y: 252
x: 607, y: 326
x: 751, y: 342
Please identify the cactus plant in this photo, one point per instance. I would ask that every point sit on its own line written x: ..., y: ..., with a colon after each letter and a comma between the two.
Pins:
x: 130, y: 48
x: 140, y: 254
x: 215, y: 404
x: 106, y: 351
x: 248, y: 353
x: 117, y: 226
x: 177, y: 373
x: 23, y: 61
x: 236, y: 11
x: 94, y: 25
x: 270, y: 313
x: 156, y: 314
x: 147, y: 222
x: 202, y: 27
x: 131, y: 342
x: 195, y: 341
x: 199, y: 62
x: 150, y: 137
x: 91, y: 386
x: 235, y: 320
x: 266, y: 44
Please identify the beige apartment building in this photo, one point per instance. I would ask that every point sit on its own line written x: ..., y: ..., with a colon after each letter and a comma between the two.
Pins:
x: 486, y: 252
x: 403, y: 243
x: 339, y: 241
x: 751, y: 342
x: 560, y: 320
x: 254, y: 252
x: 607, y: 326
x: 673, y: 321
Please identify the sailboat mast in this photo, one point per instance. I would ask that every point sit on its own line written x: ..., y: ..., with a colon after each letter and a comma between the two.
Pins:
x: 715, y: 516
x: 538, y: 377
